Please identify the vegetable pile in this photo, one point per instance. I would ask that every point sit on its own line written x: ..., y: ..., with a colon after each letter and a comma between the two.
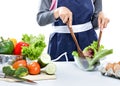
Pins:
x: 93, y: 55
x: 30, y: 46
x: 19, y: 72
x: 22, y: 67
x: 29, y: 56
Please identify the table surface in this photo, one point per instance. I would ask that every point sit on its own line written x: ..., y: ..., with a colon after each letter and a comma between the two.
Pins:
x: 68, y: 74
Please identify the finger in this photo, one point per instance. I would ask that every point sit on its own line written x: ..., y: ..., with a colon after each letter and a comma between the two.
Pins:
x: 99, y: 22
x: 62, y: 17
x: 103, y: 22
x: 65, y: 19
x: 106, y: 22
x: 105, y: 25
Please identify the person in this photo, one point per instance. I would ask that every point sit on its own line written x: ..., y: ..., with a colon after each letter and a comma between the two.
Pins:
x: 84, y: 16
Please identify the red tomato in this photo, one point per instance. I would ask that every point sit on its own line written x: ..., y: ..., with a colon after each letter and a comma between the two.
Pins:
x: 34, y: 68
x: 19, y: 63
x: 18, y: 47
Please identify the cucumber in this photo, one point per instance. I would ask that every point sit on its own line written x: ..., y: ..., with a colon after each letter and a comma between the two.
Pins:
x: 50, y: 68
x: 44, y: 59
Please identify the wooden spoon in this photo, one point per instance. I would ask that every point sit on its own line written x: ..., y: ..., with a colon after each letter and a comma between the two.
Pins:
x: 99, y: 39
x: 80, y: 53
x: 82, y: 59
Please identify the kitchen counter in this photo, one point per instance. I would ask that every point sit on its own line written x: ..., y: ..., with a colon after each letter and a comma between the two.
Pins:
x: 68, y: 74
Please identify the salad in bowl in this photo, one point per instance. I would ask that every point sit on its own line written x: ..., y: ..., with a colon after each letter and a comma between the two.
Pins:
x: 92, y: 56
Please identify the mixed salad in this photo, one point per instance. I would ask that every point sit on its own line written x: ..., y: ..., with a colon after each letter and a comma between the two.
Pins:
x: 93, y: 54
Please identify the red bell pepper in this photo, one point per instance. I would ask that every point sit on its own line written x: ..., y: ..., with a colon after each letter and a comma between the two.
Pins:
x: 18, y: 47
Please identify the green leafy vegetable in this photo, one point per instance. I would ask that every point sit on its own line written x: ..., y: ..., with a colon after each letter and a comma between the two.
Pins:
x: 75, y: 53
x: 36, y: 46
x: 93, y: 47
x: 94, y: 55
x: 100, y: 55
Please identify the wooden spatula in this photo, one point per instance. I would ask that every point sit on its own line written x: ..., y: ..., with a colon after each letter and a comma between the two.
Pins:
x: 99, y: 39
x: 80, y: 53
x: 82, y: 59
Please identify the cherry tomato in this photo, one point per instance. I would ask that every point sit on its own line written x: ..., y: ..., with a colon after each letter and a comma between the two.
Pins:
x: 19, y: 63
x: 33, y: 68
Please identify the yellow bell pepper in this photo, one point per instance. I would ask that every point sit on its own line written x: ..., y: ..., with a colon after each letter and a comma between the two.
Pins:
x: 14, y: 41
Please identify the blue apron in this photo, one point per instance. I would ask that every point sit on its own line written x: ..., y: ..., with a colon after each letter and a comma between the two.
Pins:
x: 62, y: 42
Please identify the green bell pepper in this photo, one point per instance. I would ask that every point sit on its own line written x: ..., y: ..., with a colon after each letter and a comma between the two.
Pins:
x: 6, y: 46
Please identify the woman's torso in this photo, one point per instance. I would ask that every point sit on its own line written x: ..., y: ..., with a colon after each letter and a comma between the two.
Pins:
x: 82, y: 10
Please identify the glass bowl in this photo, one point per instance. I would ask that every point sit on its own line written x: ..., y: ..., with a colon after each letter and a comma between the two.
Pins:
x: 4, y: 58
x: 83, y: 64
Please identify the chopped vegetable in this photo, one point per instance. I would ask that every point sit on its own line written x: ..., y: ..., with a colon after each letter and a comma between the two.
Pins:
x: 6, y: 46
x: 50, y: 68
x: 93, y: 55
x: 8, y: 70
x: 36, y: 46
x: 21, y: 71
x: 44, y: 59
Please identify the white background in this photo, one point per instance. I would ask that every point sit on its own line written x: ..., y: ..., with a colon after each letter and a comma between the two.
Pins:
x: 19, y: 16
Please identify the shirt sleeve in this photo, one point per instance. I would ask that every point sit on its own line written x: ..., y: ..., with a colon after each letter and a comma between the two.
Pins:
x: 98, y: 8
x: 44, y: 15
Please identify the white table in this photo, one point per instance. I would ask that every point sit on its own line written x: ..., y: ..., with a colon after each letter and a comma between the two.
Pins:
x: 68, y: 74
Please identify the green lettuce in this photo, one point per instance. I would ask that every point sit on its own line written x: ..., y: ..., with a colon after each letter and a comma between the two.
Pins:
x: 97, y: 54
x: 36, y: 46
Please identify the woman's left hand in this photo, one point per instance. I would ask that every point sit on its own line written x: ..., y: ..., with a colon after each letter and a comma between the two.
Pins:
x: 102, y: 21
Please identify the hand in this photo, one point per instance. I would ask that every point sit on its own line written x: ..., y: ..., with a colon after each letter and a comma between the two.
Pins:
x: 102, y: 21
x: 64, y: 14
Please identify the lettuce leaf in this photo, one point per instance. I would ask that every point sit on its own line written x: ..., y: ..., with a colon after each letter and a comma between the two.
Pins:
x: 93, y: 46
x: 36, y: 46
x: 100, y: 55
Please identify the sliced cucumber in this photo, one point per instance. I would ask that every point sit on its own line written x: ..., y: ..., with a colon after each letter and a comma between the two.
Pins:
x: 44, y: 59
x: 50, y: 68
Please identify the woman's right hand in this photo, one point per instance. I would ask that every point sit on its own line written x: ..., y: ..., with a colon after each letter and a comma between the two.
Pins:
x: 64, y: 14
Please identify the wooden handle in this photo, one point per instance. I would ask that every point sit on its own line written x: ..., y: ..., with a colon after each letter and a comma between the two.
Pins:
x: 80, y: 53
x: 99, y: 39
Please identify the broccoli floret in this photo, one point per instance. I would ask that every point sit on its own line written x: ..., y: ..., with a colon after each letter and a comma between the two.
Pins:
x: 8, y: 70
x: 21, y: 71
